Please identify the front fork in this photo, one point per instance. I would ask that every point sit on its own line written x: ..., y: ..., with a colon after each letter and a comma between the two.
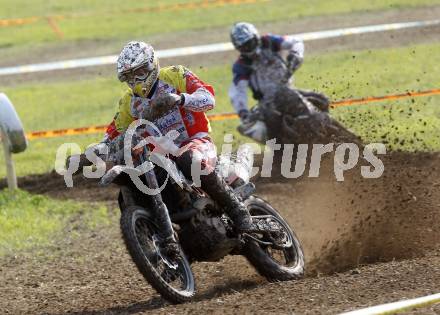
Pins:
x: 161, y: 211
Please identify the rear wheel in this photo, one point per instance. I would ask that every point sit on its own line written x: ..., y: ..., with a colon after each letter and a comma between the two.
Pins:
x: 173, y: 279
x: 280, y: 263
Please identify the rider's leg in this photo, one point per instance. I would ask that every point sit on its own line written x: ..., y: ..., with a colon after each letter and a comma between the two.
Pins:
x: 202, y: 152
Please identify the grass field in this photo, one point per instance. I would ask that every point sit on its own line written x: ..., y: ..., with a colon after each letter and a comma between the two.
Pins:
x: 96, y: 20
x: 32, y: 221
x: 339, y: 75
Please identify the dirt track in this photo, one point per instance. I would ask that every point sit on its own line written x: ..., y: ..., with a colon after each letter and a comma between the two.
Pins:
x: 349, y: 226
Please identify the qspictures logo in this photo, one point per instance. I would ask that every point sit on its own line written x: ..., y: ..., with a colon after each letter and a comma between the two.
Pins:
x: 161, y: 149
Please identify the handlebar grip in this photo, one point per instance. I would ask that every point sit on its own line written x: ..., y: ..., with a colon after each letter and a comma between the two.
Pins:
x: 81, y: 159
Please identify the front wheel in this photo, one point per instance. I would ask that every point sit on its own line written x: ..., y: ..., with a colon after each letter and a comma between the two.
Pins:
x: 173, y: 279
x: 275, y: 264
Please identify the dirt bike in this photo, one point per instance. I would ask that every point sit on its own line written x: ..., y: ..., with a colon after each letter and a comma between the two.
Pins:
x: 202, y: 229
x: 297, y: 116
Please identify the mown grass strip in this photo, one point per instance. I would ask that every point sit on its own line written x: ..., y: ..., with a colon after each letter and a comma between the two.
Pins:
x: 91, y: 24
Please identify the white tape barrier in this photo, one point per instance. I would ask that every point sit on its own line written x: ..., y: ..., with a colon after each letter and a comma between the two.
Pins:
x: 212, y: 48
x: 397, y: 307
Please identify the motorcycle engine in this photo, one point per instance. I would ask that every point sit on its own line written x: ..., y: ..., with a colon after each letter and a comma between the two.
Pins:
x: 205, y: 238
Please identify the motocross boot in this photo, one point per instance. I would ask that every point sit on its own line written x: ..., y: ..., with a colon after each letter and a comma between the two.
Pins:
x: 252, y: 126
x: 223, y: 194
x: 245, y: 121
x: 256, y: 130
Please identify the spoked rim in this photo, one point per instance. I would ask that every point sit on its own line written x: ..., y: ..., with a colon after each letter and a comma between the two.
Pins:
x: 175, y: 274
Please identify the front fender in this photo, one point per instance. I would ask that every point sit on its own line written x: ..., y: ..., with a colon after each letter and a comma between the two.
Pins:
x: 116, y: 172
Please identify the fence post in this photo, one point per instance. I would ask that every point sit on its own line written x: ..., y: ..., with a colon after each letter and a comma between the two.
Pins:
x: 10, y: 169
x: 12, y: 136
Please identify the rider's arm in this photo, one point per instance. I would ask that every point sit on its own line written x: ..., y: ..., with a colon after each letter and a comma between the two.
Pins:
x: 122, y: 119
x: 288, y: 43
x: 238, y: 89
x: 238, y: 96
x: 294, y: 47
x: 111, y: 132
x: 197, y: 96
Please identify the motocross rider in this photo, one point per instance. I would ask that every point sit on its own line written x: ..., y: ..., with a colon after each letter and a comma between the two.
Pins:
x: 178, y: 99
x: 262, y: 68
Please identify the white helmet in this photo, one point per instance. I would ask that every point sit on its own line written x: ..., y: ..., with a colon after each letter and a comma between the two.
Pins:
x: 245, y: 38
x: 139, y: 67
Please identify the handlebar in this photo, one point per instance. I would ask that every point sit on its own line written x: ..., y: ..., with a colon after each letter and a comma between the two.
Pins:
x: 81, y: 159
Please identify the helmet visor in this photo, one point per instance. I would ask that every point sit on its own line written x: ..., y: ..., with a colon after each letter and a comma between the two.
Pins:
x: 248, y: 47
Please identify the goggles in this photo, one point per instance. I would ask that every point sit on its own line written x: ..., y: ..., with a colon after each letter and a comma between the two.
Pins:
x: 136, y: 75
